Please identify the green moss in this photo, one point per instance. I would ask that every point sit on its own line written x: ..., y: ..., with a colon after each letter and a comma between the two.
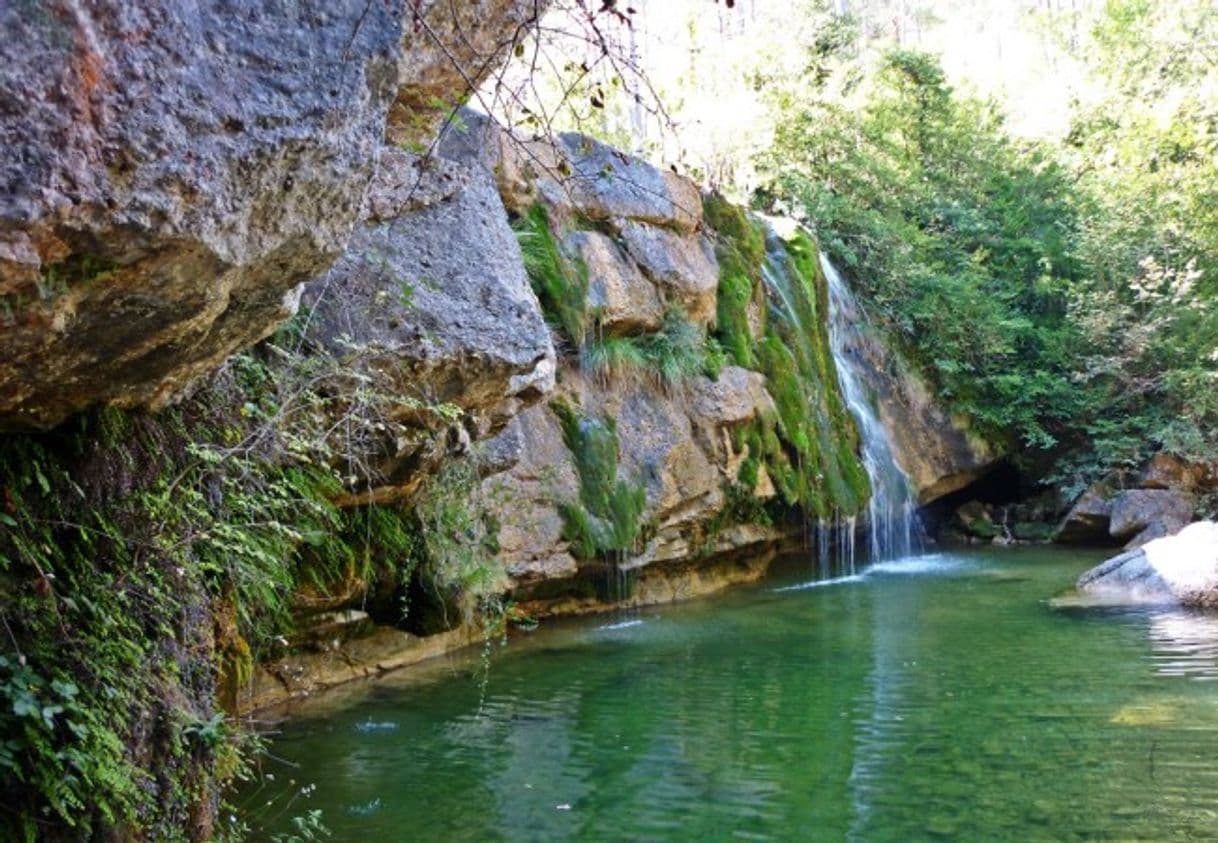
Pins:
x: 561, y: 285
x: 607, y: 519
x: 810, y: 446
x: 740, y: 249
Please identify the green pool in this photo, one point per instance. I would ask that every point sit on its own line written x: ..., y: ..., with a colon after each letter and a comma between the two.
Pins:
x: 936, y: 698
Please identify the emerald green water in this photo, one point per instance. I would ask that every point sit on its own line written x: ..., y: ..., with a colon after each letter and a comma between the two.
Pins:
x: 936, y: 698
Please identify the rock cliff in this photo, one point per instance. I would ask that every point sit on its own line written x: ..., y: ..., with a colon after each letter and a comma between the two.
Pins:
x: 175, y: 170
x: 317, y: 404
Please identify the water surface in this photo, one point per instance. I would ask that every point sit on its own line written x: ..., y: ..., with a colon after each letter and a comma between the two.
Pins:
x: 935, y: 698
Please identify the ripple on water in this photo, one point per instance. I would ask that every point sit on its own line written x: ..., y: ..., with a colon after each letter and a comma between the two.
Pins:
x: 612, y: 627
x: 1184, y: 643
x: 929, y: 563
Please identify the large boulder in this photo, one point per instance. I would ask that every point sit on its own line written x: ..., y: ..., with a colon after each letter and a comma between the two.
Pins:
x: 173, y: 170
x: 1088, y: 519
x: 1182, y: 568
x: 1146, y: 514
x: 430, y: 306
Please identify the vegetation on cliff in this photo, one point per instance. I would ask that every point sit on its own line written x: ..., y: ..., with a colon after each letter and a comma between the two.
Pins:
x: 1061, y: 296
x: 772, y: 317
x: 147, y: 561
x: 607, y: 519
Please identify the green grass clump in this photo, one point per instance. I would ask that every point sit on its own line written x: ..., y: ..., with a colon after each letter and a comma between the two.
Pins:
x: 678, y: 351
x: 607, y: 520
x: 561, y: 284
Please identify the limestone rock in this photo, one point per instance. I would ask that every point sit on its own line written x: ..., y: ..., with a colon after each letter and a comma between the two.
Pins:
x: 450, y: 48
x: 524, y: 168
x: 683, y: 266
x: 174, y: 170
x: 433, y: 307
x: 1136, y: 510
x: 578, y: 176
x: 404, y: 183
x: 737, y: 396
x: 1088, y: 519
x: 678, y: 445
x: 625, y: 301
x: 524, y: 496
x: 1180, y: 568
x: 606, y: 184
x: 1165, y: 471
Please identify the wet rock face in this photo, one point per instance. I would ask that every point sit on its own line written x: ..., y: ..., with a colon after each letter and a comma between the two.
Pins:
x: 173, y: 170
x: 938, y: 452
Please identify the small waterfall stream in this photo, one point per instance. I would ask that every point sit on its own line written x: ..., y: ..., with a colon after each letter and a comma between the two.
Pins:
x: 892, y: 524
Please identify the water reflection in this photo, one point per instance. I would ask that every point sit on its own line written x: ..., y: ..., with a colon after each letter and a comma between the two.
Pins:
x: 1184, y: 643
x: 933, y: 698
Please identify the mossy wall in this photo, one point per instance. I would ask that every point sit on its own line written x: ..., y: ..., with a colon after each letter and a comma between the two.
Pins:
x: 773, y: 318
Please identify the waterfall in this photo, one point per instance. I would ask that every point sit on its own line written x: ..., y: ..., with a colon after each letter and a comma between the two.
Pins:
x: 892, y: 510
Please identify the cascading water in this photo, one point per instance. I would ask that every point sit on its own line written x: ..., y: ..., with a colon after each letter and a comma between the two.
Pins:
x: 796, y: 356
x: 892, y: 510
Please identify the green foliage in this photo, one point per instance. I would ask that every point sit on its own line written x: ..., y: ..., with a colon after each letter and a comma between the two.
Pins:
x: 459, y: 539
x: 678, y: 351
x: 1060, y: 298
x: 126, y: 539
x: 607, y: 520
x: 960, y: 240
x: 561, y: 285
x: 306, y: 828
x: 57, y: 745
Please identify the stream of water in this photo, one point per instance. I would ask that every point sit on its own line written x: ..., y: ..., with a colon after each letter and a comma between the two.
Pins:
x: 892, y: 526
x: 939, y: 697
